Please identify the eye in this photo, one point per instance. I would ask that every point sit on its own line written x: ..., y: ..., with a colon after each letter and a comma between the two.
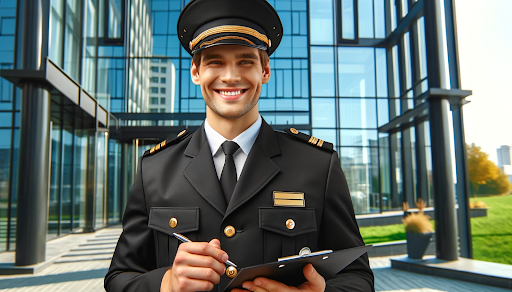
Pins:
x: 244, y: 62
x: 214, y: 63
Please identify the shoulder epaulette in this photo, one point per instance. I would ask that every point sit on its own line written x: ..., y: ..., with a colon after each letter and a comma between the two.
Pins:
x: 309, y: 139
x: 171, y: 141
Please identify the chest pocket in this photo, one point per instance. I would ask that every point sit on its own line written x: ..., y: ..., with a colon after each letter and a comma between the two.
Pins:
x: 167, y: 220
x: 287, y: 230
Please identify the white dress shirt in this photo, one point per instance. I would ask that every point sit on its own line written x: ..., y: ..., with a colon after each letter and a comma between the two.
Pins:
x: 245, y: 140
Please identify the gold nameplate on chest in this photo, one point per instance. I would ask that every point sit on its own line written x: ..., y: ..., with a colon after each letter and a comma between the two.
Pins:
x: 289, y: 199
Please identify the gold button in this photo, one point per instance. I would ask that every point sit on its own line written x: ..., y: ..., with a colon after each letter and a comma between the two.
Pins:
x: 290, y: 224
x: 229, y: 231
x: 294, y: 131
x: 173, y: 222
x: 231, y: 272
x: 181, y: 133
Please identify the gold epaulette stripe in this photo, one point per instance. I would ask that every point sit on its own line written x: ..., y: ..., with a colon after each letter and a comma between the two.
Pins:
x: 225, y: 38
x: 229, y: 28
x: 320, y: 143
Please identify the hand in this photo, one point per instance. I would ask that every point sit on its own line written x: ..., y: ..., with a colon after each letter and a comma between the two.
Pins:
x: 197, y: 267
x: 315, y: 282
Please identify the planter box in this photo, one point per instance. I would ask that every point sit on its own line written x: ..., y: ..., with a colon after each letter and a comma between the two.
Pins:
x: 478, y: 212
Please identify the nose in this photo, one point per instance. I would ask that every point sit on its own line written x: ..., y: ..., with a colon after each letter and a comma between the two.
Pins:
x: 230, y: 75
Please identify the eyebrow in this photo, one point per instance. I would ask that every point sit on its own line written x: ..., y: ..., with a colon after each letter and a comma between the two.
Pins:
x: 211, y: 56
x: 247, y: 56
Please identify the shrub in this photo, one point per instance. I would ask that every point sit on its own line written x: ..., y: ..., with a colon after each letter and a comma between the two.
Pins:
x: 418, y: 222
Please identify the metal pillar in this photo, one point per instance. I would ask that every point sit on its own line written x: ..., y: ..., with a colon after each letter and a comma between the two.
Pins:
x: 33, y: 182
x: 465, y: 239
x: 444, y: 195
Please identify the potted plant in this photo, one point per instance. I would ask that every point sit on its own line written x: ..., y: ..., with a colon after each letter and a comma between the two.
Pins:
x: 418, y: 231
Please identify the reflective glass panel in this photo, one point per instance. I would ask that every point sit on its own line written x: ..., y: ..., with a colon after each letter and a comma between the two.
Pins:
x: 382, y: 111
x: 79, y: 175
x: 360, y: 166
x: 5, y: 163
x: 365, y: 18
x: 380, y: 19
x: 347, y: 19
x: 358, y: 137
x: 382, y: 75
x: 67, y: 179
x: 322, y: 71
x: 358, y: 113
x: 356, y: 72
x: 55, y: 178
x: 323, y: 112
x: 321, y: 22
x: 385, y: 168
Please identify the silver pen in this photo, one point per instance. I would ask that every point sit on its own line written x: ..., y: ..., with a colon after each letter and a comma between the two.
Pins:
x: 184, y: 239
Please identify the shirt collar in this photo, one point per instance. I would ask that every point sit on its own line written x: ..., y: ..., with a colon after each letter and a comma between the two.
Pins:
x: 245, y: 139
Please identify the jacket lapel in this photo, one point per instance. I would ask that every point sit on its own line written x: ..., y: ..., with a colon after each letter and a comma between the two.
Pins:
x: 201, y: 172
x: 258, y: 169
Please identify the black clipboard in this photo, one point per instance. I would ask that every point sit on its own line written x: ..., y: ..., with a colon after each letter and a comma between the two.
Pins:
x: 289, y: 270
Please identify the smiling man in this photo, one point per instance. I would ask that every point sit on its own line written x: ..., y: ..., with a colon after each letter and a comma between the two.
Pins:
x: 237, y: 188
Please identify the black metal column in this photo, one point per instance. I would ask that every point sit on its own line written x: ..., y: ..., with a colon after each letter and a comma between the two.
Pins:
x: 442, y: 172
x: 33, y: 182
x: 465, y: 239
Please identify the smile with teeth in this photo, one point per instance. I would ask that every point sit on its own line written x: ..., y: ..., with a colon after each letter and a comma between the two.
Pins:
x: 231, y: 93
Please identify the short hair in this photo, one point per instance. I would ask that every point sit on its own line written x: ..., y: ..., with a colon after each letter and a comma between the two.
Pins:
x: 263, y: 58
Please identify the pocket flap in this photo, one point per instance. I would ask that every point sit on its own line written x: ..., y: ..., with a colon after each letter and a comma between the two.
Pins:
x: 277, y: 220
x: 184, y: 219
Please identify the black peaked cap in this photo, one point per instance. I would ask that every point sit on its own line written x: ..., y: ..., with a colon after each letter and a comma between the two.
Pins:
x: 201, y: 15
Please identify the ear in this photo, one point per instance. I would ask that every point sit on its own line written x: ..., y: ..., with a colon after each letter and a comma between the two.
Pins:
x: 266, y: 73
x: 194, y: 74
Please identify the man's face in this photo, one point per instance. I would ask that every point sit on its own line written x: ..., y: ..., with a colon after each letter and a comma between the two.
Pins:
x: 230, y: 77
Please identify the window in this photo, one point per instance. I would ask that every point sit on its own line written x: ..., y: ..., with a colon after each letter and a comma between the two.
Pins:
x: 153, y: 110
x: 153, y: 79
x: 162, y: 80
x: 162, y: 110
x: 162, y: 100
x: 163, y: 70
x: 153, y: 89
x: 154, y: 69
x: 154, y: 100
x: 162, y: 90
x: 347, y: 21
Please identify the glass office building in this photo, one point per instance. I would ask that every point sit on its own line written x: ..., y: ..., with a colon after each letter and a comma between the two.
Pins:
x: 361, y: 74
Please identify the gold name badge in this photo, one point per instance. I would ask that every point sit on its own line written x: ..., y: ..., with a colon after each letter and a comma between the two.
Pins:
x: 289, y: 199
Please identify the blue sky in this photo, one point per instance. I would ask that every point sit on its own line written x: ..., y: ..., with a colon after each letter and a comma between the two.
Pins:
x: 485, y: 56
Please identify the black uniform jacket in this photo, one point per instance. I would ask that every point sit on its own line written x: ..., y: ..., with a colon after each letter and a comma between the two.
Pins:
x: 180, y: 182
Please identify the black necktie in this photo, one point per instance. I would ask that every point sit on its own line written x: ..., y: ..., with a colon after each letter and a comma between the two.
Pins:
x: 228, y: 176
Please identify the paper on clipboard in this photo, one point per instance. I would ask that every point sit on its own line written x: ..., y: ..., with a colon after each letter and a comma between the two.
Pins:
x: 290, y: 272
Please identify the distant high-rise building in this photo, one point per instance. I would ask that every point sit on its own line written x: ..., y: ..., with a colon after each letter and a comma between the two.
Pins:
x: 504, y: 154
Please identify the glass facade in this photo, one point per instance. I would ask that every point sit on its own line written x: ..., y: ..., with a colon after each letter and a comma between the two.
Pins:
x: 346, y: 72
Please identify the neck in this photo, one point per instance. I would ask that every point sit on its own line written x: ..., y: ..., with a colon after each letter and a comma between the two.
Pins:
x: 229, y: 128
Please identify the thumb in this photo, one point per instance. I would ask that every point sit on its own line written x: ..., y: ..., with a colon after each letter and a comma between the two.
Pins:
x: 215, y: 242
x: 316, y: 281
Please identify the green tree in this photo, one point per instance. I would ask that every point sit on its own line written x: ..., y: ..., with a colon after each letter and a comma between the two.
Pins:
x: 481, y: 170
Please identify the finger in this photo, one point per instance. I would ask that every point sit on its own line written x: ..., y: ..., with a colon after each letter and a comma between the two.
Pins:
x: 316, y: 281
x: 206, y: 249
x: 196, y: 273
x: 183, y: 258
x: 263, y: 284
x: 215, y: 242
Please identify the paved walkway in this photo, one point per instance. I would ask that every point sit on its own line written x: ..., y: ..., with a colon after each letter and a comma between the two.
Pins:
x: 84, y: 265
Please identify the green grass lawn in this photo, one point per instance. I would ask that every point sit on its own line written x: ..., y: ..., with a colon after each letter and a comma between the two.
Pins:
x: 492, y: 235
